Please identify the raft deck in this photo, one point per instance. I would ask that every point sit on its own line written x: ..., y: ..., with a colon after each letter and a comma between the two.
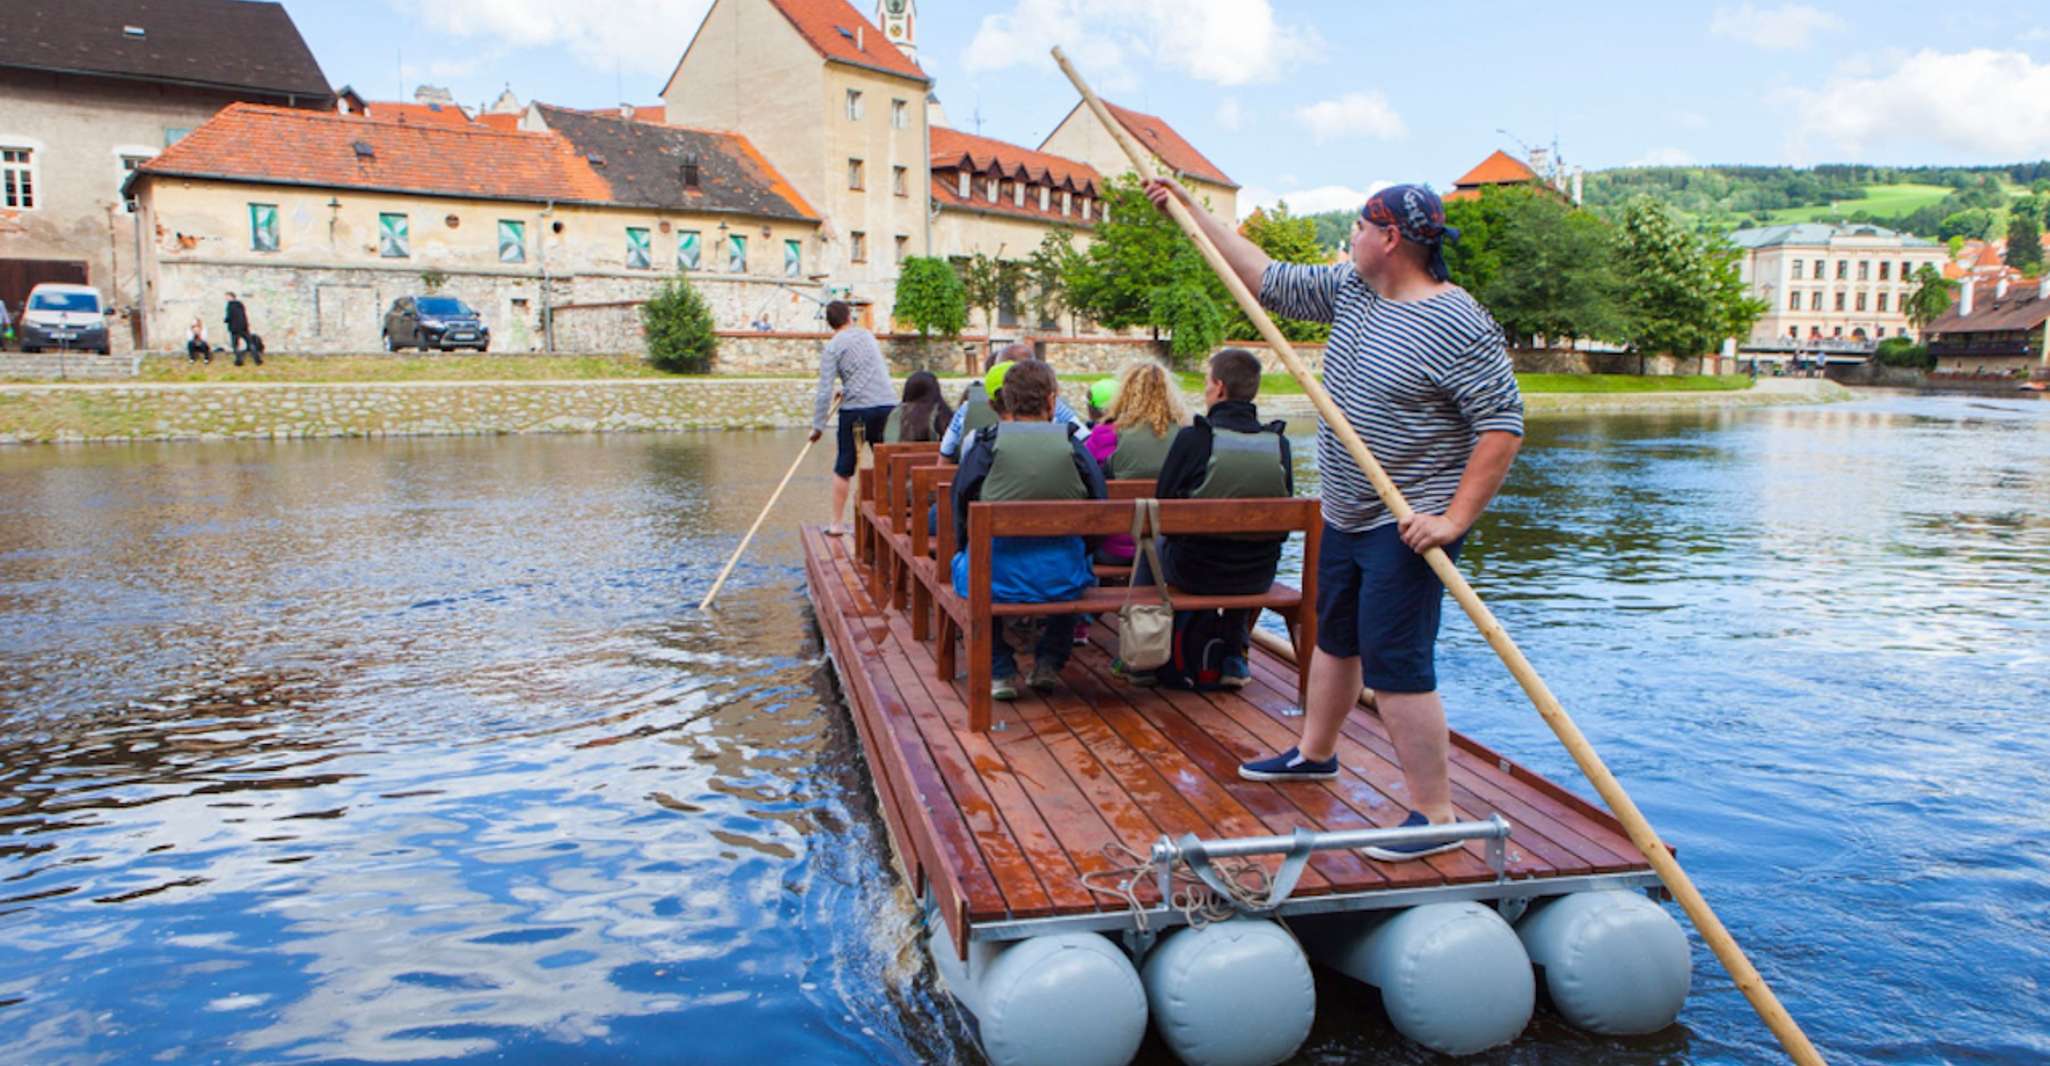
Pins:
x: 996, y: 829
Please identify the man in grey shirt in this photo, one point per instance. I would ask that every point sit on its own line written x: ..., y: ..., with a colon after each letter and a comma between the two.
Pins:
x: 854, y: 359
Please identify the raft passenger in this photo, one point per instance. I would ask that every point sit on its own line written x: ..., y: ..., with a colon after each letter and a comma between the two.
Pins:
x: 1029, y: 455
x: 976, y: 410
x: 922, y: 415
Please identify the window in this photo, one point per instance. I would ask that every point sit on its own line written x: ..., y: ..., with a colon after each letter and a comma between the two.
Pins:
x: 393, y: 239
x: 1904, y: 270
x: 964, y: 191
x: 903, y: 247
x: 1882, y: 330
x: 263, y: 227
x: 174, y: 134
x: 1815, y: 300
x: 512, y: 241
x: 1068, y: 208
x: 991, y: 191
x: 900, y: 114
x: 854, y: 173
x: 1837, y: 332
x: 736, y: 254
x: 853, y: 105
x: 130, y: 161
x: 857, y: 247
x: 1843, y: 269
x: 1797, y: 270
x: 1882, y: 301
x: 1839, y: 301
x: 1864, y: 270
x: 18, y: 177
x: 689, y: 251
x: 1793, y: 301
x: 900, y: 181
x: 793, y: 259
x: 1861, y: 301
x: 1885, y: 268
x: 1818, y: 270
x: 638, y: 251
x: 1044, y: 192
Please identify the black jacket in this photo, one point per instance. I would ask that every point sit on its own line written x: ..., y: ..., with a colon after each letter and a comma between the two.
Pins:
x: 238, y: 318
x: 981, y: 452
x: 1213, y: 565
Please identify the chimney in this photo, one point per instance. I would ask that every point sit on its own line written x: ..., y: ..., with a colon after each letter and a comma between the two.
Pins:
x: 2043, y: 288
x: 626, y: 111
x: 1577, y: 173
x: 861, y: 38
x: 1964, y: 300
x: 2000, y: 288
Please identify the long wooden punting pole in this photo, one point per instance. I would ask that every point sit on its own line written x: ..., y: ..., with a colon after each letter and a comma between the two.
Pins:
x: 1641, y: 833
x: 720, y: 581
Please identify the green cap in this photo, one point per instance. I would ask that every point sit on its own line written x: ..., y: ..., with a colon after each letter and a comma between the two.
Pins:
x: 994, y: 380
x: 1103, y: 393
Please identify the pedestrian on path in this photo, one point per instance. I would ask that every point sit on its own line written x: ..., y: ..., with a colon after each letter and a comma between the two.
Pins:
x: 196, y: 346
x: 1420, y: 370
x: 854, y: 360
x: 238, y: 332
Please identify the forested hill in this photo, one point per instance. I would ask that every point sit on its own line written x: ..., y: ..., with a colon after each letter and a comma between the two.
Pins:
x: 1916, y: 199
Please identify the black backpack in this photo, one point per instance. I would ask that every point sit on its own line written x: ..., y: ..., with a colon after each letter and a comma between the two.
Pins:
x: 1203, y: 640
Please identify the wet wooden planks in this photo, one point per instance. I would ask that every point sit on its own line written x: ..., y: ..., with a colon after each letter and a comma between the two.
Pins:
x: 1006, y: 824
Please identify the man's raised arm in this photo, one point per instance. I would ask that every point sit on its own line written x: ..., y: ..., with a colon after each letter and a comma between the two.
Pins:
x: 1245, y: 257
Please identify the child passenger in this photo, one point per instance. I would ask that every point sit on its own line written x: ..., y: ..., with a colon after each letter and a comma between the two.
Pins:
x: 1029, y: 456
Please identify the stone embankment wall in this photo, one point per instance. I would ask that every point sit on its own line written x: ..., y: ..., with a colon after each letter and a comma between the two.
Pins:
x: 131, y: 412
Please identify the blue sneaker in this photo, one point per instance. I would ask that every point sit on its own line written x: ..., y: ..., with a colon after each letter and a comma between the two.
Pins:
x: 1289, y: 766
x: 1406, y: 852
x: 1236, y: 672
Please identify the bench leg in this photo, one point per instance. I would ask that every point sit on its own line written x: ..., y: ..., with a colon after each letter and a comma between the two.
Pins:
x: 921, y: 610
x: 900, y: 580
x: 979, y: 634
x: 943, y: 655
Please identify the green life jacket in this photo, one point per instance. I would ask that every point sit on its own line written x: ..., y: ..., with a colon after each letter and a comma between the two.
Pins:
x: 1140, y: 453
x: 980, y: 413
x: 1033, y: 461
x: 1243, y: 465
x: 893, y: 427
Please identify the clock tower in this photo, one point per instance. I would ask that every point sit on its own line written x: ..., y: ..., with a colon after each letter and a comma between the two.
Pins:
x: 899, y: 20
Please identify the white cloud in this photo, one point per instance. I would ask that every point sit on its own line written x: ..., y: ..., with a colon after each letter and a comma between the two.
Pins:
x: 1308, y: 201
x: 1230, y: 116
x: 1786, y: 26
x: 1989, y: 103
x: 1224, y: 42
x: 1664, y: 157
x: 636, y: 37
x: 1352, y: 115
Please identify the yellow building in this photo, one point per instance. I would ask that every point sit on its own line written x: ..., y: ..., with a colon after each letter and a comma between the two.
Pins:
x: 1835, y: 288
x: 319, y: 221
x: 1080, y: 136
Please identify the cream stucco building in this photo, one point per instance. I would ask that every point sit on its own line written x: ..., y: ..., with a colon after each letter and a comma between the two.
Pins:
x: 1831, y: 286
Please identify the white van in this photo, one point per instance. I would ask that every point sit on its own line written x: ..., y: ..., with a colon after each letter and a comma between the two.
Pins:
x: 63, y: 316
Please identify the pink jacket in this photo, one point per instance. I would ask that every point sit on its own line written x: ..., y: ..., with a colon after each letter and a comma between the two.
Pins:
x: 1101, y: 442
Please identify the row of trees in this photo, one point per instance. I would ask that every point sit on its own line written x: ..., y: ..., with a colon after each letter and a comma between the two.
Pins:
x: 1545, y: 268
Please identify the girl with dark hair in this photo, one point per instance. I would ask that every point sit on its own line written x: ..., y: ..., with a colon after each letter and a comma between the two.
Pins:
x: 923, y: 415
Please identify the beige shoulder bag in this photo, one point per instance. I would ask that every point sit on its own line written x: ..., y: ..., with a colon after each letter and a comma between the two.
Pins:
x: 1146, y: 630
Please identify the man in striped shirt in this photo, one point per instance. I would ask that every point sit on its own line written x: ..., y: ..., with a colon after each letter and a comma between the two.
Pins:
x: 1420, y: 371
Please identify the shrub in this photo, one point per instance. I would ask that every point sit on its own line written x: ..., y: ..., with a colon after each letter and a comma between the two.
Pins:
x: 1902, y: 352
x: 930, y: 298
x: 679, y: 327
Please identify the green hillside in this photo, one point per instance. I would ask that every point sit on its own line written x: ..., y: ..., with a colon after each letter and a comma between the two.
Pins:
x: 1879, y: 201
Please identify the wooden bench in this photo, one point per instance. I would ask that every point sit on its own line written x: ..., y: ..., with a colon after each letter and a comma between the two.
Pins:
x: 870, y: 507
x: 890, y: 577
x: 975, y: 616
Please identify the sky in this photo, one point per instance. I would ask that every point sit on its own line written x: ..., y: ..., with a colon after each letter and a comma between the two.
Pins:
x: 1316, y: 101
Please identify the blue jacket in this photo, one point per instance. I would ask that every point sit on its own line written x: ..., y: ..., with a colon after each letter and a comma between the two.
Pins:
x: 1024, y: 569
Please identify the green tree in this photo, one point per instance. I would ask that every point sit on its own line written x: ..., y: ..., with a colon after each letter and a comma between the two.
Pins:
x: 2025, y: 240
x: 1972, y: 223
x: 679, y: 328
x: 1288, y: 239
x: 1132, y: 253
x: 1930, y: 299
x: 1475, y: 259
x: 1047, y: 271
x: 982, y: 281
x: 1683, y: 294
x: 1902, y: 352
x: 1547, y: 268
x: 930, y: 298
x: 1184, y: 308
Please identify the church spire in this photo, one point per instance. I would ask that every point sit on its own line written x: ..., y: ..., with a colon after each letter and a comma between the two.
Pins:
x: 899, y: 20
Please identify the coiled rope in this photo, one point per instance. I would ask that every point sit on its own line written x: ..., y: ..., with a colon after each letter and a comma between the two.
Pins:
x: 1199, y: 904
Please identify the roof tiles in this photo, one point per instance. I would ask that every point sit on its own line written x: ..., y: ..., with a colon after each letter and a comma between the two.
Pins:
x: 1171, y: 147
x: 952, y: 148
x: 246, y: 48
x: 1499, y: 168
x: 838, y: 32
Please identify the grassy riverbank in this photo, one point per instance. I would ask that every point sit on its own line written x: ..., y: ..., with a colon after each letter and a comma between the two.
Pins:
x: 1286, y: 384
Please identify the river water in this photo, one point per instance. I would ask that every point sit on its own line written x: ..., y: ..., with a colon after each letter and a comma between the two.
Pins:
x: 415, y: 750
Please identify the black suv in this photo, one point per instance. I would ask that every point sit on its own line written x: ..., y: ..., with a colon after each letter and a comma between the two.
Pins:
x: 442, y: 322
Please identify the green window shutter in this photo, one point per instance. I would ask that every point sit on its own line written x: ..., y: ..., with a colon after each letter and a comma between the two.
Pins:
x: 263, y: 227
x: 793, y: 259
x: 736, y: 254
x: 689, y: 253
x: 393, y: 241
x: 637, y: 249
x: 512, y: 242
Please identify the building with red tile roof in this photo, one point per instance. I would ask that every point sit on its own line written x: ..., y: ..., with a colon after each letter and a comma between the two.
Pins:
x: 1081, y: 136
x: 841, y: 35
x: 1994, y: 327
x: 417, y: 113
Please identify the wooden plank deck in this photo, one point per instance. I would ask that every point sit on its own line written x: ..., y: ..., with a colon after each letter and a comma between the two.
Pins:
x: 1001, y: 826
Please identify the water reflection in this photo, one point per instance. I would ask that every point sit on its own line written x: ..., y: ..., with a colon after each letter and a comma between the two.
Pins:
x: 415, y: 750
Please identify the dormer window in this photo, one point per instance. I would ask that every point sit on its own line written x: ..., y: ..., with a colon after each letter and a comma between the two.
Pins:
x: 1044, y: 192
x: 134, y: 32
x: 1067, y: 203
x: 965, y: 193
x: 690, y: 172
x: 1018, y: 194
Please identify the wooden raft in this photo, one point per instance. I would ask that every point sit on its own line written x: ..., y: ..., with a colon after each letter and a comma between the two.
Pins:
x: 1000, y: 826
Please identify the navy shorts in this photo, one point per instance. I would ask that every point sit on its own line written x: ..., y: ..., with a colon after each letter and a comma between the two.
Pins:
x: 873, y: 420
x: 1379, y: 600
